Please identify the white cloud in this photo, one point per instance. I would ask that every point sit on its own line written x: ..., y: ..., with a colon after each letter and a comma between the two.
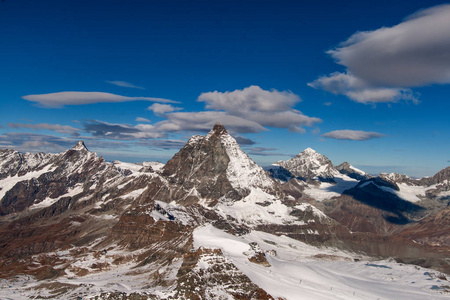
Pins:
x: 147, y: 131
x: 412, y: 53
x: 354, y: 135
x: 383, y: 64
x: 161, y: 109
x: 267, y: 108
x: 125, y: 84
x: 252, y: 98
x: 139, y: 119
x: 360, y: 91
x: 58, y: 100
x: 54, y: 127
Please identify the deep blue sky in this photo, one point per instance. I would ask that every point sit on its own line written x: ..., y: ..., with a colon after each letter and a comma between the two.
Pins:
x: 259, y: 56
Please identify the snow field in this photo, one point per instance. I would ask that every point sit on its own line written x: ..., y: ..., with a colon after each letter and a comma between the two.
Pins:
x: 296, y: 274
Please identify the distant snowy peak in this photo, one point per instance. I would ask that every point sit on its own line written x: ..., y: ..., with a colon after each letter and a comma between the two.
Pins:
x: 14, y: 163
x: 349, y: 170
x: 309, y: 164
x: 397, y: 178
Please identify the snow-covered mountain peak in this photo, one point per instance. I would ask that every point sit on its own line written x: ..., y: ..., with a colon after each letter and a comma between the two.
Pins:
x: 80, y: 146
x: 309, y: 164
x: 215, y: 165
x: 308, y: 151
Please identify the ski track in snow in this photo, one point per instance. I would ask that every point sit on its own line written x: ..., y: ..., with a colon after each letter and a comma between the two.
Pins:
x: 293, y: 274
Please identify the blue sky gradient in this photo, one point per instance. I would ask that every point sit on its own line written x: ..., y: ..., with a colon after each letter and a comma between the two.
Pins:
x: 278, y: 87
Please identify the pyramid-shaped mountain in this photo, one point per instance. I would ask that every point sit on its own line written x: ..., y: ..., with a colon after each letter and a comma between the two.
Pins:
x: 215, y: 167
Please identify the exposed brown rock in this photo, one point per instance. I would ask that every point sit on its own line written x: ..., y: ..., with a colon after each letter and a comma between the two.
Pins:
x: 199, y: 282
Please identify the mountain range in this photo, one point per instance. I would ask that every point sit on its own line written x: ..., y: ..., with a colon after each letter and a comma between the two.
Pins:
x: 212, y: 224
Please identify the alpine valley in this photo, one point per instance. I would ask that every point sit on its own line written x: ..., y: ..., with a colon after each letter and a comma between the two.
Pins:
x: 212, y: 224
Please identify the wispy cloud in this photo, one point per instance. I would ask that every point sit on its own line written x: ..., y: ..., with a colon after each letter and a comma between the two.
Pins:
x: 58, y: 100
x: 115, y: 131
x: 354, y: 135
x: 65, y: 129
x: 262, y: 151
x: 163, y: 144
x: 243, y: 141
x: 383, y: 64
x: 139, y: 119
x: 30, y: 142
x: 125, y: 84
x: 111, y: 131
x: 161, y: 109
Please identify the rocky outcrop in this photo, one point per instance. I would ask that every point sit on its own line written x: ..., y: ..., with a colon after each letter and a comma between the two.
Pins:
x: 352, y: 172
x: 207, y: 274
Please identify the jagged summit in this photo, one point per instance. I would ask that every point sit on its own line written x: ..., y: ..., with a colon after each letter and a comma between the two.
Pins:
x: 80, y: 146
x: 309, y: 164
x: 216, y: 167
x: 218, y: 130
x: 309, y: 151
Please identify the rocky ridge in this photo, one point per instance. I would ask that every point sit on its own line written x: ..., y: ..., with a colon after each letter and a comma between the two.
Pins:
x: 308, y: 165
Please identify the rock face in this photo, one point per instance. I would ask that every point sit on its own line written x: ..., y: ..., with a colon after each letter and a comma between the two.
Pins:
x: 206, y: 273
x: 72, y: 214
x: 352, y: 172
x: 309, y: 164
x: 214, y: 167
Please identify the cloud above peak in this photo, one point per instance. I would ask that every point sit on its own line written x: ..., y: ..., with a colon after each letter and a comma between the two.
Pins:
x: 382, y: 65
x: 267, y: 108
x: 252, y: 98
x: 161, y: 109
x: 60, y: 99
x: 353, y: 135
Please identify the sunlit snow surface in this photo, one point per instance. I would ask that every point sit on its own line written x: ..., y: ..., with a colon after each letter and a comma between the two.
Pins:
x: 327, y: 190
x: 409, y: 193
x: 295, y: 274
